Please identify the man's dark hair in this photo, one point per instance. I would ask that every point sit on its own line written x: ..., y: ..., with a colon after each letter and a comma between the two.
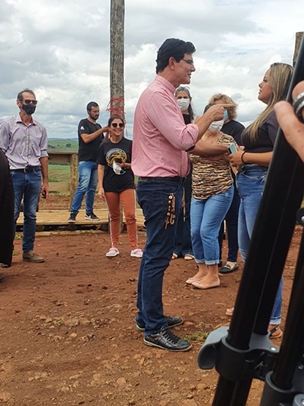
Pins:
x: 26, y: 90
x: 175, y: 48
x: 90, y: 105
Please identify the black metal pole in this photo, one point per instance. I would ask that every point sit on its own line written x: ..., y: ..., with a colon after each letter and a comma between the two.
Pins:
x: 291, y: 349
x: 275, y: 215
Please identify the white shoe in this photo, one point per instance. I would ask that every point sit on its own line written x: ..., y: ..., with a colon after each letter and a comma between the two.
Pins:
x: 137, y: 253
x: 113, y: 252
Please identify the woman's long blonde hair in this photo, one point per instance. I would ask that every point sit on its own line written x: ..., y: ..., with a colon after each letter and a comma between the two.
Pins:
x: 280, y: 75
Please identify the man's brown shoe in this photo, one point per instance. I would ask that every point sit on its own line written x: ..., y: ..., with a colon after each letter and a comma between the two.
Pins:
x: 30, y: 256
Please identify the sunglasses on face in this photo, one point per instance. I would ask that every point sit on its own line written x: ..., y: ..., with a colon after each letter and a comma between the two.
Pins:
x: 116, y: 124
x: 26, y: 101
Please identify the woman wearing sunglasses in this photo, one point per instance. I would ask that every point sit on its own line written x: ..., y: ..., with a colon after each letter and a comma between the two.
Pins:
x: 116, y: 185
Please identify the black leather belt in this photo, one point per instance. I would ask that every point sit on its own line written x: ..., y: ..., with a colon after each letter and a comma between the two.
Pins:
x: 178, y: 179
x: 28, y: 169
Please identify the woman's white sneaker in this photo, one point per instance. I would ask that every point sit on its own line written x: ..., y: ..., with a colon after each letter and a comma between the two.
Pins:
x: 113, y: 252
x: 137, y: 253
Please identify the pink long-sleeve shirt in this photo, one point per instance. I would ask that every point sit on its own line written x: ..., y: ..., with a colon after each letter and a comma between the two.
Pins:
x: 160, y: 135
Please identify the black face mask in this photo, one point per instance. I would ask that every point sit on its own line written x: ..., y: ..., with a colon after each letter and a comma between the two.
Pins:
x: 29, y: 108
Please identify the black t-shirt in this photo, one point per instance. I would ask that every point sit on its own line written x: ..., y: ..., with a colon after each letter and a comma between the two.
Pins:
x: 266, y: 136
x: 89, y: 151
x: 108, y: 153
x: 235, y: 129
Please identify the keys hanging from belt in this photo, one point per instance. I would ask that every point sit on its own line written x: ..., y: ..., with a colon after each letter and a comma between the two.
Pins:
x: 170, y: 218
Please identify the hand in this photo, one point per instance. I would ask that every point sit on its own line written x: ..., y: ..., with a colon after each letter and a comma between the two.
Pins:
x: 236, y: 158
x: 44, y: 191
x: 292, y: 128
x: 107, y: 131
x: 216, y: 112
x: 101, y: 193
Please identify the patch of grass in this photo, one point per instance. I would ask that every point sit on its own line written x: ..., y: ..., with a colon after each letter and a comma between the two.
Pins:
x: 59, y: 173
x: 198, y: 335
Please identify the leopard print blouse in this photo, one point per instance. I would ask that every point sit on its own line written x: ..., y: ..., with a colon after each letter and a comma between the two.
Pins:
x: 209, y: 177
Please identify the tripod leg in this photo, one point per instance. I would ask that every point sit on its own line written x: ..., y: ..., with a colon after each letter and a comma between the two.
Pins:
x: 292, y: 345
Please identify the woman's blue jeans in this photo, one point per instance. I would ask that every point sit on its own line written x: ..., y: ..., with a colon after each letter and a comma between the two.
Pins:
x: 87, y: 183
x: 206, y: 219
x: 250, y: 182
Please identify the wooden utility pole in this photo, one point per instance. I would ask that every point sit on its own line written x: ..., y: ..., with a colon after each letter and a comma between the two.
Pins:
x: 117, y: 92
x: 117, y: 57
x: 299, y: 36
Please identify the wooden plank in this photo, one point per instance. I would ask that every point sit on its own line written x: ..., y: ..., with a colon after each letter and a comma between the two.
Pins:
x: 60, y: 217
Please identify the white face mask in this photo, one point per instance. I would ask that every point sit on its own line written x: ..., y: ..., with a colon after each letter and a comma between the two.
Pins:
x: 216, y: 126
x: 183, y: 104
x: 117, y: 169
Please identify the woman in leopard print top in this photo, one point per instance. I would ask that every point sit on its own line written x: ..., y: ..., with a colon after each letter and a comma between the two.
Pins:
x: 212, y: 193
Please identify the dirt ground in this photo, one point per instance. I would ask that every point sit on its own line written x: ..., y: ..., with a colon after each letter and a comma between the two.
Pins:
x: 68, y: 333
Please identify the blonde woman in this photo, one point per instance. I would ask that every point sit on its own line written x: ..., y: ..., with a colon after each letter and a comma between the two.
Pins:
x: 258, y: 140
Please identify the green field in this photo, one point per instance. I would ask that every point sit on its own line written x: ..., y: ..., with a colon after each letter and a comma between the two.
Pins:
x: 59, y: 172
x: 63, y: 145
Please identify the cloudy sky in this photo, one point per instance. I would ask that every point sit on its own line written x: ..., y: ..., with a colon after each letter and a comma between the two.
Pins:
x: 61, y: 49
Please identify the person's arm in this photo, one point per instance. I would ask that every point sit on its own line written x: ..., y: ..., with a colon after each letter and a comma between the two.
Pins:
x: 166, y: 116
x: 100, y: 172
x: 214, y: 113
x: 86, y: 138
x: 45, y: 178
x: 44, y: 162
x: 4, y: 135
x: 206, y: 149
x: 292, y: 128
x: 242, y: 157
x: 124, y: 165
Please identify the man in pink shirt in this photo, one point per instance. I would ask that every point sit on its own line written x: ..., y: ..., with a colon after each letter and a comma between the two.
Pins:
x: 160, y: 160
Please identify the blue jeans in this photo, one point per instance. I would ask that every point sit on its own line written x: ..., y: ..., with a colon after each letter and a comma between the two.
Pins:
x: 87, y: 183
x: 153, y: 196
x: 206, y: 219
x: 231, y: 219
x: 250, y: 183
x: 28, y: 186
x: 183, y: 244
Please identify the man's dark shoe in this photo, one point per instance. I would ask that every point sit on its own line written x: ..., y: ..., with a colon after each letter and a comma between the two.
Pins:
x: 72, y: 218
x: 30, y: 256
x: 166, y: 340
x: 172, y: 322
x: 91, y: 216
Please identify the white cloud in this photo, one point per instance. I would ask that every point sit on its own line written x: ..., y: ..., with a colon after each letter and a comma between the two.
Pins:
x: 61, y: 49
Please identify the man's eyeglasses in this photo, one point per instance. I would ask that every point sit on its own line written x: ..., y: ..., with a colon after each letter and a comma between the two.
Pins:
x: 26, y: 101
x: 189, y: 61
x: 121, y: 125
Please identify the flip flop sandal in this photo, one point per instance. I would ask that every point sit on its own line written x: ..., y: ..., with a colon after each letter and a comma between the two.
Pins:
x: 275, y: 329
x: 174, y: 256
x: 228, y: 269
x: 229, y: 312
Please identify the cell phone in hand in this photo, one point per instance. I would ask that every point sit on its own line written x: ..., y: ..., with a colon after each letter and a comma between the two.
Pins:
x: 43, y: 194
x: 232, y: 149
